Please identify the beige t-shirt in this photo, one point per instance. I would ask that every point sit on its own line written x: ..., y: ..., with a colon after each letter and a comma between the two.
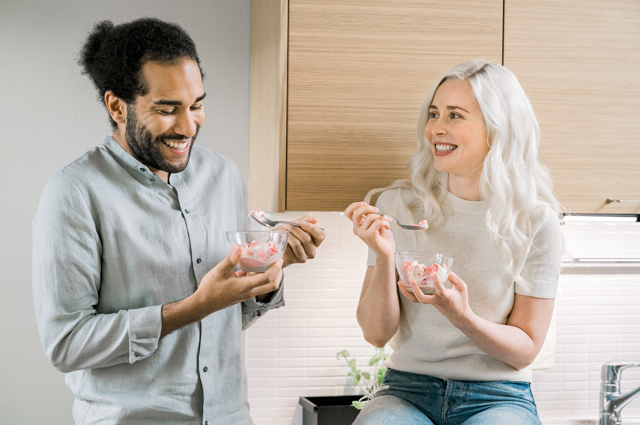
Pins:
x: 426, y: 343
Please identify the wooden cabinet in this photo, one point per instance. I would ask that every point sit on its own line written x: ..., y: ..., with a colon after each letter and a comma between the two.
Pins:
x: 357, y: 73
x: 336, y: 88
x: 579, y: 62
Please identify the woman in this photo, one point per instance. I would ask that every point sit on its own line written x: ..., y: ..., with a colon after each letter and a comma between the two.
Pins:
x: 462, y: 354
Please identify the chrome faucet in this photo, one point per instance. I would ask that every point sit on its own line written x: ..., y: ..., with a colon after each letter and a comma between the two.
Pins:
x: 612, y: 401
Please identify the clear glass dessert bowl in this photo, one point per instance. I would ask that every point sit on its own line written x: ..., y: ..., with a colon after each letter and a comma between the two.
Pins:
x: 260, y: 249
x: 418, y: 266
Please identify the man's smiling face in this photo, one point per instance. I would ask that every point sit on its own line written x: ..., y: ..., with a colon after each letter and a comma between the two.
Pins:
x: 162, y: 125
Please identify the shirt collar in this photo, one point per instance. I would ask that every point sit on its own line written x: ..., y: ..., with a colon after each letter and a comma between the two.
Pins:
x: 136, y: 168
x: 115, y: 149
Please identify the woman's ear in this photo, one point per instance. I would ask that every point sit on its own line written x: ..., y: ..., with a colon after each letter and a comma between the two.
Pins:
x: 117, y: 107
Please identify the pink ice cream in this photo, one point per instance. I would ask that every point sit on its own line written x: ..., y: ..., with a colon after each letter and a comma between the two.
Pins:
x: 421, y: 274
x: 258, y: 254
x: 257, y: 213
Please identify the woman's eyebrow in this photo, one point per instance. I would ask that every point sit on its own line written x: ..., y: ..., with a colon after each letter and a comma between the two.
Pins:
x: 452, y: 107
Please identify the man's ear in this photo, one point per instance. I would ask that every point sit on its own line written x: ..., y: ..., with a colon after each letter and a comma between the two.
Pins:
x: 117, y: 107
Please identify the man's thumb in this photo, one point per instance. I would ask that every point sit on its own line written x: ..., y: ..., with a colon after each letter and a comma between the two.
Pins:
x: 233, y: 257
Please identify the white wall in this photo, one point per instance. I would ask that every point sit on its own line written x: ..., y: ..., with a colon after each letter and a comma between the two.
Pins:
x: 49, y: 116
x: 292, y: 351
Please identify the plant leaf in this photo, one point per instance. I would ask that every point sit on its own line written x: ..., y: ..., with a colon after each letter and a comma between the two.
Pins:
x: 375, y: 359
x: 358, y: 404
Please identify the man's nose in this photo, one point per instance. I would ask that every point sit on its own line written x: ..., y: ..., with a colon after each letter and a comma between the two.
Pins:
x: 186, y: 124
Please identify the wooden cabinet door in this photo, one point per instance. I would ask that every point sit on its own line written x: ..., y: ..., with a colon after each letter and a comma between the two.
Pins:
x: 358, y: 72
x: 579, y: 62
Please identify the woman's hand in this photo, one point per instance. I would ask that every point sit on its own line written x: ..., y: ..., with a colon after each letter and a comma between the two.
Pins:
x: 374, y: 229
x: 516, y: 343
x: 452, y: 303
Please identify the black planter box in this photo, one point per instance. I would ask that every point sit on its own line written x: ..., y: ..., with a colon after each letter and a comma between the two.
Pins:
x: 332, y: 410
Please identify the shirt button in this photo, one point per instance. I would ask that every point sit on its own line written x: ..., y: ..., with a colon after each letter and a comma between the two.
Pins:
x: 204, y: 369
x: 186, y: 211
x: 152, y: 180
x: 206, y: 422
x: 142, y: 169
x: 199, y: 260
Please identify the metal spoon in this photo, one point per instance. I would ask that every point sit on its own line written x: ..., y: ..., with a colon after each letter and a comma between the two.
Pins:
x: 423, y: 225
x: 260, y: 217
x: 267, y: 222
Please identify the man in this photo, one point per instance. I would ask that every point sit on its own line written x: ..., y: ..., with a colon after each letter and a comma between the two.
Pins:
x: 135, y: 295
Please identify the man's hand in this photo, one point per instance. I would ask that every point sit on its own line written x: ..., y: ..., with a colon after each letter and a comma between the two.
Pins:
x: 221, y: 287
x: 303, y: 240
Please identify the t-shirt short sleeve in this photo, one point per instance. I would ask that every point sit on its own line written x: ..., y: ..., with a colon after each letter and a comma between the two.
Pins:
x: 541, y: 270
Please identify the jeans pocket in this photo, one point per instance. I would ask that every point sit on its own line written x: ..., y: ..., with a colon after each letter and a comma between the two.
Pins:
x: 522, y: 389
x: 506, y: 390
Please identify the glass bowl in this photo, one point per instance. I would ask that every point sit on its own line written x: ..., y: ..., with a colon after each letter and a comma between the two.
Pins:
x: 260, y: 249
x: 419, y: 266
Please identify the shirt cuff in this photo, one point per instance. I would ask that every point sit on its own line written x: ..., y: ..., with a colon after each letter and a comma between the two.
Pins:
x: 252, y: 309
x: 145, y: 327
x: 276, y: 300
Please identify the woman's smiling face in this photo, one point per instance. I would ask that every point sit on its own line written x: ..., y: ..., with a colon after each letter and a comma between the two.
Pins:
x: 456, y: 131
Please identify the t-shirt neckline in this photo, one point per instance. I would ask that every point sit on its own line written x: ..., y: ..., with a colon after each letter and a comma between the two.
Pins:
x: 462, y: 205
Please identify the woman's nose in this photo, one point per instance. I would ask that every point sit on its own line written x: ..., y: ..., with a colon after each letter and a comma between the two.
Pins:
x: 435, y: 127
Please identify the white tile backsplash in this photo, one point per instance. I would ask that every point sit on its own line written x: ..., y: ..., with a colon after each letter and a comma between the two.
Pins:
x: 291, y: 352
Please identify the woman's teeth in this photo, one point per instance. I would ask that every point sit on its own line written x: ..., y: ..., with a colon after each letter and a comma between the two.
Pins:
x: 445, y: 148
x: 176, y: 145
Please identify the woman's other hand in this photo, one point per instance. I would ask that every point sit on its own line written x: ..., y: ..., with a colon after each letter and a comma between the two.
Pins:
x: 516, y: 343
x: 452, y: 303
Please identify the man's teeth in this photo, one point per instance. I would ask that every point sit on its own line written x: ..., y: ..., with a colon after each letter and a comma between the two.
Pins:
x: 445, y: 148
x: 175, y: 145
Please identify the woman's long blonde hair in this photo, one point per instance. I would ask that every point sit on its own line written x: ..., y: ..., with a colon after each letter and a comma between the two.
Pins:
x: 513, y: 182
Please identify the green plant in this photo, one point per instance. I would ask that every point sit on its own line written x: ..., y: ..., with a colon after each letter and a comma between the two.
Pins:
x: 367, y: 382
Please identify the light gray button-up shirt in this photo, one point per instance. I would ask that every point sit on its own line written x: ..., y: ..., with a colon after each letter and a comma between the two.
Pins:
x: 112, y: 243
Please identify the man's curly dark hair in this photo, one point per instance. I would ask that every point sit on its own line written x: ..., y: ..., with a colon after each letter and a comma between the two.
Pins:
x: 112, y: 55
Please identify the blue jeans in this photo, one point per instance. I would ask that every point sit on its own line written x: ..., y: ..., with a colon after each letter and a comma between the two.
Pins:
x: 409, y: 398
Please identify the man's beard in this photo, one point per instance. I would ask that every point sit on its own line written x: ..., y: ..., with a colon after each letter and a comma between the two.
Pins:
x: 147, y: 149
